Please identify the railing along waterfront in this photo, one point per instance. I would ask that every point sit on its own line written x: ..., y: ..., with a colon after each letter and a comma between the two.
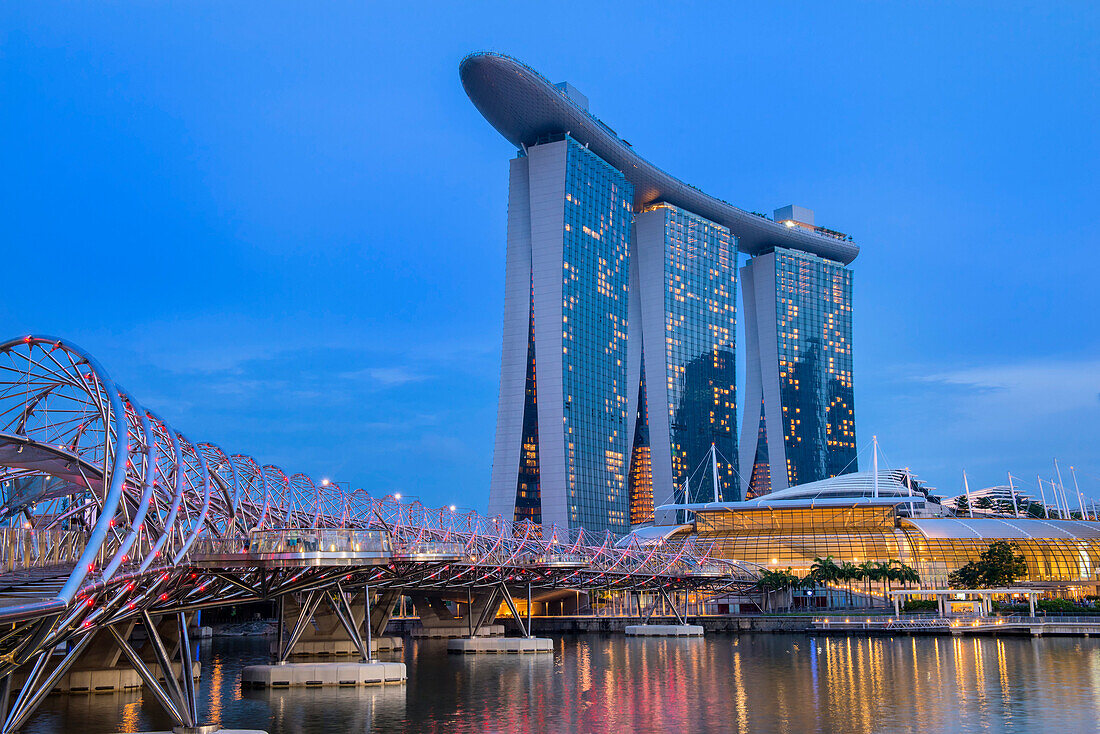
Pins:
x: 961, y: 624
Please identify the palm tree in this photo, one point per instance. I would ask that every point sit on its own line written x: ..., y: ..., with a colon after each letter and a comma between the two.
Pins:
x: 867, y: 573
x: 824, y: 571
x: 895, y: 571
x: 849, y: 572
x: 882, y: 575
x: 771, y: 581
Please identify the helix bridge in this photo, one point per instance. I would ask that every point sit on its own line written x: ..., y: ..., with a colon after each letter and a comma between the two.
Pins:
x: 109, y: 515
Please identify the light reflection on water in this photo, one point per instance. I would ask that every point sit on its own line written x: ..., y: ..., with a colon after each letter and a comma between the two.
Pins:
x: 782, y: 683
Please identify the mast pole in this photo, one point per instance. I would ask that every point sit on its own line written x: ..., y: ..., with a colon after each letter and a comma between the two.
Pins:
x: 966, y: 488
x: 1043, y: 494
x: 874, y: 463
x: 1063, y: 508
x: 714, y: 468
x: 1080, y: 498
x: 1012, y: 491
x: 1063, y: 487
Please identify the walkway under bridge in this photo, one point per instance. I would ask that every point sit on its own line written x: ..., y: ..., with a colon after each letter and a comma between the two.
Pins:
x: 111, y: 517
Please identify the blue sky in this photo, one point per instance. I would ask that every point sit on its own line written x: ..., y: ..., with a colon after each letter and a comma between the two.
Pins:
x: 282, y: 225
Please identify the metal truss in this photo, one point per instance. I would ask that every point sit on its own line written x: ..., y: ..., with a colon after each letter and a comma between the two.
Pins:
x: 108, y: 514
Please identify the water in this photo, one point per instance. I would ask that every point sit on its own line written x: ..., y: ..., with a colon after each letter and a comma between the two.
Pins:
x: 757, y: 683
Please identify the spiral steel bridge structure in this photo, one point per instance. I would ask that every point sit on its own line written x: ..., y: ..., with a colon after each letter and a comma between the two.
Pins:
x: 109, y: 514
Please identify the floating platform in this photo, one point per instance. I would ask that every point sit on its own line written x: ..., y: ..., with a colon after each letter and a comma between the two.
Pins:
x: 337, y: 648
x: 204, y: 730
x: 315, y: 675
x: 105, y: 680
x: 501, y: 645
x: 664, y: 630
x: 452, y: 632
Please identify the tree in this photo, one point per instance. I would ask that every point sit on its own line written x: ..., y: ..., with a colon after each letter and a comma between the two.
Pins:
x: 824, y: 570
x: 967, y: 577
x: 1035, y: 509
x: 772, y: 581
x: 849, y: 572
x: 983, y: 503
x: 881, y: 573
x: 999, y: 565
x: 867, y: 573
x: 962, y: 504
x: 909, y: 575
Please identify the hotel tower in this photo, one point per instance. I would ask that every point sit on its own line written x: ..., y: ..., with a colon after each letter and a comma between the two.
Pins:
x: 618, y: 380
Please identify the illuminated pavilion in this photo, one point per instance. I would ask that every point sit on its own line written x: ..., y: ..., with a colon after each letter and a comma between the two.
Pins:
x: 855, y: 519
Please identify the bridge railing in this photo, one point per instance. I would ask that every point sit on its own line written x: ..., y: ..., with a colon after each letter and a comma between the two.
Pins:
x: 22, y: 548
x: 429, y: 550
x: 319, y: 540
x: 211, y: 546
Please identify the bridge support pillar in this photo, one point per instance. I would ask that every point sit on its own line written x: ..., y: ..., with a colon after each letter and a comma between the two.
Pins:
x: 475, y: 645
x: 680, y: 629
x: 98, y: 666
x: 346, y: 620
x: 176, y: 694
x: 318, y: 625
x: 478, y: 613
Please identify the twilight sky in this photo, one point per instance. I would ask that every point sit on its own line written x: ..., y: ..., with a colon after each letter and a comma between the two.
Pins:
x: 282, y: 226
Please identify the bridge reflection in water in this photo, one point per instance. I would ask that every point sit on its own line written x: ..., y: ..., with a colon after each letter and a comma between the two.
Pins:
x: 747, y: 683
x: 114, y: 522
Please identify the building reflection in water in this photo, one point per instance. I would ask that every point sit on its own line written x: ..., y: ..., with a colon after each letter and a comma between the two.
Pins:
x: 748, y: 683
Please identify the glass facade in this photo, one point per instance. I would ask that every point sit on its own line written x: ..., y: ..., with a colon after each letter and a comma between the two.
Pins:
x: 595, y: 279
x: 641, y: 462
x: 700, y: 322
x: 814, y: 341
x: 528, y: 497
x: 761, y: 480
x: 692, y: 279
x: 794, y: 537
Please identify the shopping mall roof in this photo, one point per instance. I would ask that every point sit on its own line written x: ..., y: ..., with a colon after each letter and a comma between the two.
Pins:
x: 846, y: 490
x: 524, y: 107
x: 1002, y: 529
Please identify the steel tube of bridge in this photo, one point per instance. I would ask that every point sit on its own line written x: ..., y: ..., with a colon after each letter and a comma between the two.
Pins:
x: 186, y: 674
x: 162, y: 695
x: 30, y: 685
x: 18, y: 717
x: 305, y: 614
x: 512, y: 608
x: 170, y: 683
x: 367, y: 621
x: 280, y: 632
